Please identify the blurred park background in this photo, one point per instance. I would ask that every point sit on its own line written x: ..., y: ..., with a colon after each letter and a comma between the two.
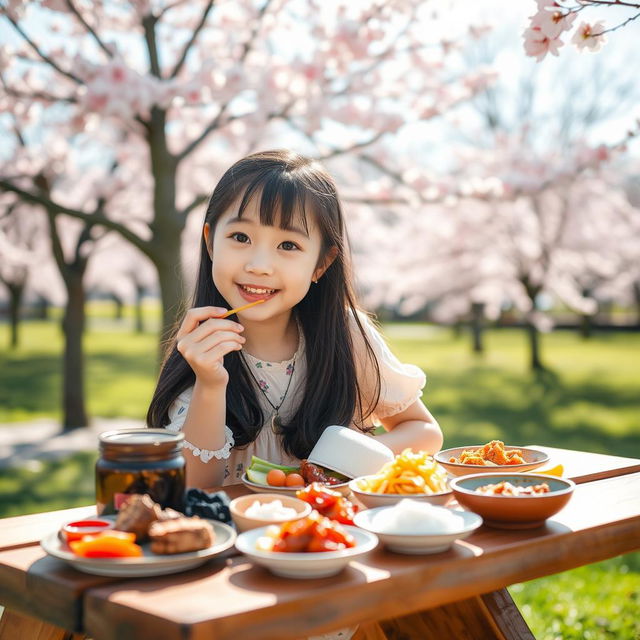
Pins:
x: 493, y: 208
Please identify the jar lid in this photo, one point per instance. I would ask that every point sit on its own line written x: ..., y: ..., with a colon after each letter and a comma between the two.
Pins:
x: 141, y: 441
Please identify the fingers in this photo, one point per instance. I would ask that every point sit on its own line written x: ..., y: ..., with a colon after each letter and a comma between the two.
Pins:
x: 193, y: 350
x: 195, y: 316
x: 200, y: 325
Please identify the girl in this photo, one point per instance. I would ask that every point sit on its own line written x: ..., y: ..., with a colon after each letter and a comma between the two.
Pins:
x: 268, y: 382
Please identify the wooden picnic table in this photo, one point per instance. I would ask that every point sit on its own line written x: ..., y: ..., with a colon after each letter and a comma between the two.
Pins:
x: 456, y: 594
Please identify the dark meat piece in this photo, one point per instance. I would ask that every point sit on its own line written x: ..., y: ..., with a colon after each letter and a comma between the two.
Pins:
x: 181, y: 535
x: 313, y: 473
x: 137, y: 514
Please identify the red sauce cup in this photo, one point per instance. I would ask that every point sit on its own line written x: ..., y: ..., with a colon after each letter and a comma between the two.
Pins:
x: 75, y: 530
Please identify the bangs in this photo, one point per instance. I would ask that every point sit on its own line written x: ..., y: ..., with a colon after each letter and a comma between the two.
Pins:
x: 283, y: 200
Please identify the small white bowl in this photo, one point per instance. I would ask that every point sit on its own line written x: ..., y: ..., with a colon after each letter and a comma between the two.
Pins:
x: 349, y: 452
x: 373, y: 500
x: 305, y: 565
x: 243, y: 522
x: 418, y: 543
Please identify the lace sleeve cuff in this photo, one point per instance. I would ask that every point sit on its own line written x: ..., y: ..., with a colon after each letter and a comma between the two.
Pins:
x: 205, y: 454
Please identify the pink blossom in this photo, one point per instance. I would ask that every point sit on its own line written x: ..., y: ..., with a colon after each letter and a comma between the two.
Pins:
x: 587, y: 36
x: 552, y: 23
x: 537, y: 45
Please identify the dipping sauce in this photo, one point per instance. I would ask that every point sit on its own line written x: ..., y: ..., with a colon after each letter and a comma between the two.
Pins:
x: 75, y: 530
x: 140, y: 461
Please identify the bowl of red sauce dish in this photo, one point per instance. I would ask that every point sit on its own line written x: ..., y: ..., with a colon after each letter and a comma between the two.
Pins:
x: 78, y: 528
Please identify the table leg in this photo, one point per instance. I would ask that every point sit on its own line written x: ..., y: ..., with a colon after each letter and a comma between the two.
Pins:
x: 16, y: 626
x: 493, y: 616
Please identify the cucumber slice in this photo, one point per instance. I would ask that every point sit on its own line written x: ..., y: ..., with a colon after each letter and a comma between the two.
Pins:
x: 265, y: 465
x: 257, y: 477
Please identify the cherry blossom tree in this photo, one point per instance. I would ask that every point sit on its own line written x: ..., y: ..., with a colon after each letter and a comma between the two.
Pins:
x: 161, y: 96
x: 555, y: 18
x: 20, y: 246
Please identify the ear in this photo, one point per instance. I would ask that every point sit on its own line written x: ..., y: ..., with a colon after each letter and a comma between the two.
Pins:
x: 329, y: 257
x: 206, y: 232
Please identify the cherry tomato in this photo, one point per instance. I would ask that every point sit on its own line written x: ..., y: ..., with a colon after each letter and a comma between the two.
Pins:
x: 276, y: 478
x: 294, y: 480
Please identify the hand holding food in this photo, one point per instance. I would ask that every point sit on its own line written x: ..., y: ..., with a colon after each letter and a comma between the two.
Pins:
x: 408, y: 473
x: 204, y: 338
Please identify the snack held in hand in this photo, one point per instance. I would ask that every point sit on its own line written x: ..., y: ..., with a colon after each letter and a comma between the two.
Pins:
x: 408, y: 473
x: 491, y: 454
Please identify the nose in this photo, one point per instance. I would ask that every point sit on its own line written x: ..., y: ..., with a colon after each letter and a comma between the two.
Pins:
x: 259, y: 262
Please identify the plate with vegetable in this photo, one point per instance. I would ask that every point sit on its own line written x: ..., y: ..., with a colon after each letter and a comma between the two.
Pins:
x: 264, y: 475
x: 136, y: 566
x: 313, y: 547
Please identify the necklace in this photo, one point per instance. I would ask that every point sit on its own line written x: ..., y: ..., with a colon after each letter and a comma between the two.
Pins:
x: 275, y: 418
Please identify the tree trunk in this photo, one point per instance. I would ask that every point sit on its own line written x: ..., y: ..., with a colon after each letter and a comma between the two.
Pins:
x: 171, y: 293
x: 119, y: 307
x: 586, y: 326
x: 137, y: 309
x: 477, y: 316
x: 41, y: 308
x: 534, y: 348
x: 167, y: 225
x: 15, y: 301
x: 73, y: 402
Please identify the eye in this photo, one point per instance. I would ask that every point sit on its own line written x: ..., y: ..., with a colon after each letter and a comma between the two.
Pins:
x: 240, y: 237
x: 287, y: 245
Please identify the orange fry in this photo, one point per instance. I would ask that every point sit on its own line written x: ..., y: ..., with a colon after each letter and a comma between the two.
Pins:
x: 242, y: 308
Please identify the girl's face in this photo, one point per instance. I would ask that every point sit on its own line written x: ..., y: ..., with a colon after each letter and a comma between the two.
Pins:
x: 252, y: 262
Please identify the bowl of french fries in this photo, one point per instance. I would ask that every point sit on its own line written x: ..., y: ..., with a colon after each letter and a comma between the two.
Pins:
x: 411, y: 474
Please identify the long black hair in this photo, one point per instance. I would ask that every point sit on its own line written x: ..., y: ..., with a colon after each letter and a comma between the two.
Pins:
x: 288, y: 185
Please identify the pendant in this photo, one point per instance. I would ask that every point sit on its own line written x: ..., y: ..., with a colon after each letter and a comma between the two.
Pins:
x: 275, y: 423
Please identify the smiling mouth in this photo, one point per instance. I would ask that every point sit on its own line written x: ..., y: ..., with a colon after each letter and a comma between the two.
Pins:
x: 257, y: 291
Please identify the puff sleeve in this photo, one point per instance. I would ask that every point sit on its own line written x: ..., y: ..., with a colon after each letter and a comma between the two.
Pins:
x: 400, y: 384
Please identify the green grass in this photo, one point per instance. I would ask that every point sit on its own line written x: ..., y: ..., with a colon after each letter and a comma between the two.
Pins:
x: 120, y: 371
x: 589, y: 402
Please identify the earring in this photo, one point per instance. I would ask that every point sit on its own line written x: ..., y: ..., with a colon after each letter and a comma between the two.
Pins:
x: 314, y: 280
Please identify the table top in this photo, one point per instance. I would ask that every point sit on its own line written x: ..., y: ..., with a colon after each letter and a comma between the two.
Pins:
x: 232, y: 598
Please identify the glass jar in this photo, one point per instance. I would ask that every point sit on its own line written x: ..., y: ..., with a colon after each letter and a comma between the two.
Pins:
x: 140, y: 461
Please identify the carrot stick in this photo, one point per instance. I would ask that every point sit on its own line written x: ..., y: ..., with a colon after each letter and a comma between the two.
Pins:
x: 246, y: 306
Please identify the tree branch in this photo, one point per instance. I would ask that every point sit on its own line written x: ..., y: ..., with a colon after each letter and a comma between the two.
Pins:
x: 149, y: 26
x: 216, y: 121
x: 194, y: 36
x: 358, y: 145
x: 52, y: 63
x: 89, y: 28
x: 196, y: 202
x: 97, y: 217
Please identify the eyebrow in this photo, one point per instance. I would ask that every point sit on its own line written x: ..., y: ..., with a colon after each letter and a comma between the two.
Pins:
x: 237, y: 219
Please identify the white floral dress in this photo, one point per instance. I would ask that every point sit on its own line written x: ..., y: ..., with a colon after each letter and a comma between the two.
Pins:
x: 401, y: 386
